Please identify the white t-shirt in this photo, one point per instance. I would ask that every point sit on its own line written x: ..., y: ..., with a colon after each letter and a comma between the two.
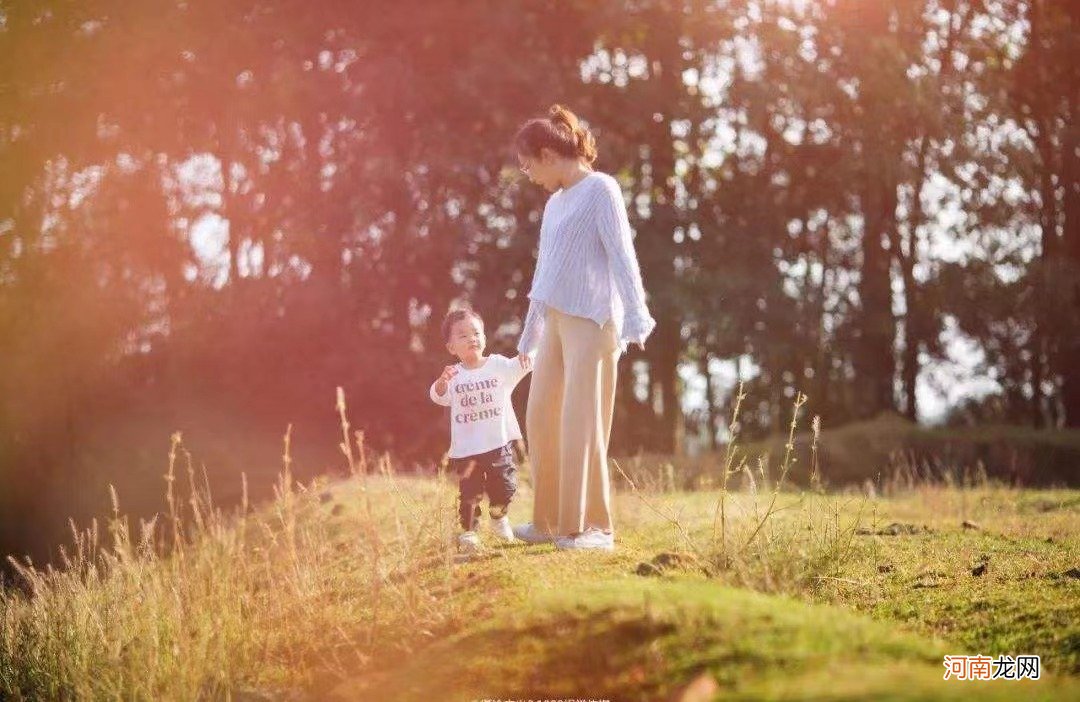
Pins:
x: 481, y: 416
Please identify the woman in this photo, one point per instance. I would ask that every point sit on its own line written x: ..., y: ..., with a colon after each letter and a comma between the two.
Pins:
x: 586, y: 304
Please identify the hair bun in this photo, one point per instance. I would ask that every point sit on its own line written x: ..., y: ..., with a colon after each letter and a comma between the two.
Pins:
x: 584, y: 142
x: 560, y: 116
x: 561, y: 131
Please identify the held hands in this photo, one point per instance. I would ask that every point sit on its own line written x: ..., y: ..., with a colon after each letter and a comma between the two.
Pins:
x: 443, y: 382
x: 526, y: 361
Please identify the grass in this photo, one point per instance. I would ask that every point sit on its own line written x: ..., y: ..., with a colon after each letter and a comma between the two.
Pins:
x: 867, y: 450
x: 670, y: 633
x: 1024, y: 542
x: 351, y: 590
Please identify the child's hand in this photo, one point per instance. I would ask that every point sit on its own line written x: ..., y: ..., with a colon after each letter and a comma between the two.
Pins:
x: 444, y: 379
x: 526, y: 361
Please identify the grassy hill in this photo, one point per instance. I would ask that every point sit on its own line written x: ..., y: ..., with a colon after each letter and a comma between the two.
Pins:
x: 351, y: 590
x: 889, y: 448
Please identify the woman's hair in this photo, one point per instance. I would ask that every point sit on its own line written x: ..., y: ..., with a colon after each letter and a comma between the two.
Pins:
x: 455, y: 315
x: 560, y: 131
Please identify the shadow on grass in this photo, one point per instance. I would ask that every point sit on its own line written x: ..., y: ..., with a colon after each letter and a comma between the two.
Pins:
x: 629, y: 640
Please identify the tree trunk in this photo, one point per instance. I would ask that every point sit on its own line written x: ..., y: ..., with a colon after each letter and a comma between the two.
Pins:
x: 874, y: 362
x: 712, y: 416
x: 915, y: 328
x: 664, y: 371
x: 1070, y: 348
x: 1068, y: 357
x: 1043, y: 118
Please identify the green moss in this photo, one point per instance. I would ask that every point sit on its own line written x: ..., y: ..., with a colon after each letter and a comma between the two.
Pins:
x: 629, y: 639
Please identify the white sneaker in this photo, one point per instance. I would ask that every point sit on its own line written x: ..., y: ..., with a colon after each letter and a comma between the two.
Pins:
x: 501, y: 528
x: 590, y: 538
x: 530, y: 534
x: 468, y: 542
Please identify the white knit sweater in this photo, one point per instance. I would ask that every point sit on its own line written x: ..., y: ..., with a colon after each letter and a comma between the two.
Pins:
x: 586, y: 265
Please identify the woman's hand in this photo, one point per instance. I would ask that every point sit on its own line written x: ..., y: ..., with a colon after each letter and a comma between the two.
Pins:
x: 526, y: 361
x: 639, y: 327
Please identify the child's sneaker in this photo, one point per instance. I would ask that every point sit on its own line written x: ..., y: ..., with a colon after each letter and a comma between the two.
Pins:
x: 530, y: 534
x: 468, y: 542
x: 501, y: 528
x: 591, y: 538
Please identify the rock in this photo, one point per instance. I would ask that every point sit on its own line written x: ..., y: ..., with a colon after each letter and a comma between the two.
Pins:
x: 979, y: 570
x: 337, y: 509
x: 899, y: 528
x: 325, y: 497
x: 1072, y: 573
x: 894, y: 529
x: 648, y: 570
x: 967, y: 524
x: 671, y: 559
x: 885, y: 568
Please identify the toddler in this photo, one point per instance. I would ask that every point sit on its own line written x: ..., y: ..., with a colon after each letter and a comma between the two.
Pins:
x: 483, y: 426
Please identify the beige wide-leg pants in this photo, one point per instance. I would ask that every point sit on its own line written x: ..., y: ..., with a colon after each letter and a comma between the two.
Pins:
x: 568, y: 421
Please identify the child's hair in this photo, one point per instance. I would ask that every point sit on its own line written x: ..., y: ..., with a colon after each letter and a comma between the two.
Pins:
x: 561, y: 131
x: 456, y: 315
